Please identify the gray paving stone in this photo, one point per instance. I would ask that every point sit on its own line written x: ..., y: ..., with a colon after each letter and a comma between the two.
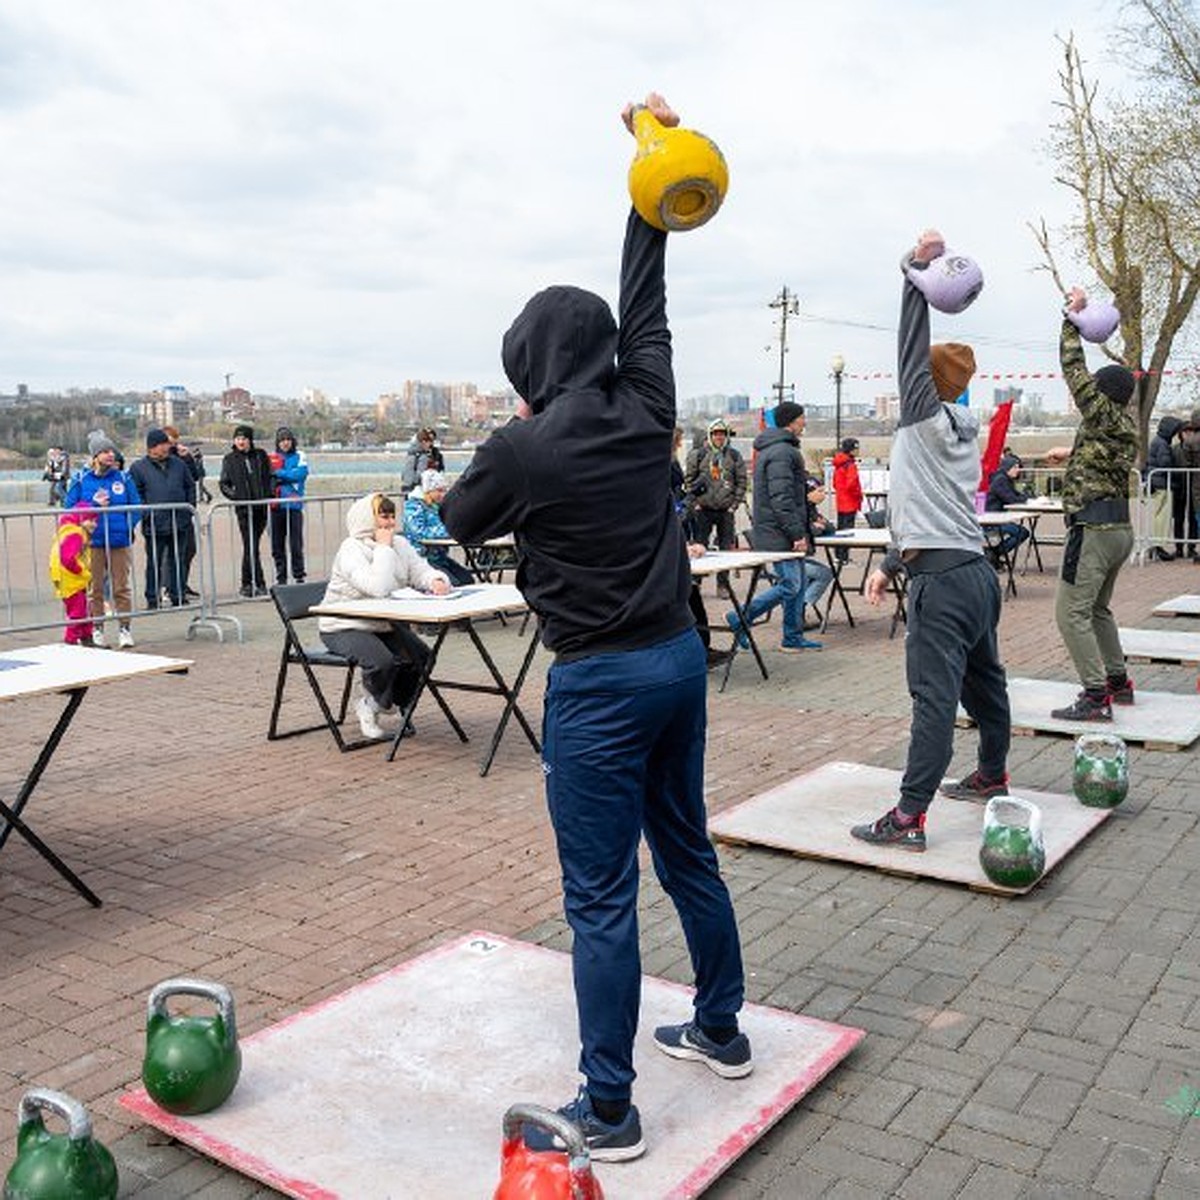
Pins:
x: 1128, y: 1172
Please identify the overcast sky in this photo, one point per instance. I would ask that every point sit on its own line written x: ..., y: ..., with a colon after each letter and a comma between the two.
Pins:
x: 347, y: 195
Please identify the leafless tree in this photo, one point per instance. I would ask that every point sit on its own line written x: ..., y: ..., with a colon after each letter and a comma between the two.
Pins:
x: 1133, y: 165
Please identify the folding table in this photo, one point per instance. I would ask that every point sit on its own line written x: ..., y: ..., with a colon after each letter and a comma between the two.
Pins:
x: 1034, y: 510
x: 754, y: 561
x: 461, y: 609
x: 70, y: 670
x: 481, y: 558
x: 873, y: 541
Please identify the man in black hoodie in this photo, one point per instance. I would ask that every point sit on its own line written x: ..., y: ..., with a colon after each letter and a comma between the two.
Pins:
x: 246, y: 475
x: 584, y: 484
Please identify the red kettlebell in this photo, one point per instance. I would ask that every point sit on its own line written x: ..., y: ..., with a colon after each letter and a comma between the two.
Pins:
x: 544, y: 1174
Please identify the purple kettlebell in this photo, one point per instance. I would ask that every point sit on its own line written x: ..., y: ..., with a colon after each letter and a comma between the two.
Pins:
x: 950, y: 283
x: 1096, y: 321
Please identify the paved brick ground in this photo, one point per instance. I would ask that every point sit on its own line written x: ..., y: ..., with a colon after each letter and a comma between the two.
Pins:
x: 1036, y: 1047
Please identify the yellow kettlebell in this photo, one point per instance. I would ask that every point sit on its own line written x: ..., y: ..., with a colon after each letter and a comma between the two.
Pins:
x: 678, y: 177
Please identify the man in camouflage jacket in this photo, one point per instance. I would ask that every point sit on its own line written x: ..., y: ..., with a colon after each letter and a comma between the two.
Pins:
x: 1099, y: 533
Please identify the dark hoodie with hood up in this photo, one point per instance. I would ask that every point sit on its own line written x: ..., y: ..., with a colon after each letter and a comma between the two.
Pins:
x: 1160, y: 455
x: 584, y: 483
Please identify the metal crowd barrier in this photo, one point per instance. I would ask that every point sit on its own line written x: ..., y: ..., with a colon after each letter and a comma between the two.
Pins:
x: 1168, y: 511
x: 28, y: 602
x: 28, y: 599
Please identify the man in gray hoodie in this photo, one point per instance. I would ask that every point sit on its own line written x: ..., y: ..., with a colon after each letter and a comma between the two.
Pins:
x: 950, y: 650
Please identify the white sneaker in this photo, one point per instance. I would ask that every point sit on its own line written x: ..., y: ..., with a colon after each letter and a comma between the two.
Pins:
x: 368, y: 721
x: 125, y: 638
x: 98, y: 638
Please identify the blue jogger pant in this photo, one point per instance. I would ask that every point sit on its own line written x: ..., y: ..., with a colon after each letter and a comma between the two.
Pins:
x: 623, y: 753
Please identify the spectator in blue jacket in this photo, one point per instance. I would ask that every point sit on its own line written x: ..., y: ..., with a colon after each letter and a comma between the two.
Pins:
x: 109, y: 490
x: 423, y: 521
x: 287, y: 514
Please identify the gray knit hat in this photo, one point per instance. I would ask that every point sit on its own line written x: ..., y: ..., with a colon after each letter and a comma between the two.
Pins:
x: 98, y: 442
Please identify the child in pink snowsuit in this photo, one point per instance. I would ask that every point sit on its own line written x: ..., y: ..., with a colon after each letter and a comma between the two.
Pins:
x: 70, y: 573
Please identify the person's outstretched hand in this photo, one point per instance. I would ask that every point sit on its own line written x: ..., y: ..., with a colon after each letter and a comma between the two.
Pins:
x: 930, y: 245
x: 659, y: 108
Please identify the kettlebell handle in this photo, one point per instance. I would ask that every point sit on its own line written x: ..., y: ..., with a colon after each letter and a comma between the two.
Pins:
x: 218, y: 993
x: 79, y: 1123
x: 557, y: 1124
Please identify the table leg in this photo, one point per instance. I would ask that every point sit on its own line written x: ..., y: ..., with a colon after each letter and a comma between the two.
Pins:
x: 739, y: 608
x: 1033, y: 547
x: 511, y: 707
x: 425, y: 683
x: 836, y: 591
x: 12, y: 816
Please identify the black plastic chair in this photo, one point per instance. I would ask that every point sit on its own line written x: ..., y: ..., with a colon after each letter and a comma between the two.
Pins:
x: 293, y: 602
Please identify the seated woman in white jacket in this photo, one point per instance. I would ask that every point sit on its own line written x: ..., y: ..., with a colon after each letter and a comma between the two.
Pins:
x: 372, y: 562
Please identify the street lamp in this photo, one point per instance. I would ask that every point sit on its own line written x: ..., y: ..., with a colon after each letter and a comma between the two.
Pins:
x: 838, y: 365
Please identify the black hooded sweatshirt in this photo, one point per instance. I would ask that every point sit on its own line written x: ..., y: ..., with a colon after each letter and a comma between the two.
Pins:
x: 585, y: 484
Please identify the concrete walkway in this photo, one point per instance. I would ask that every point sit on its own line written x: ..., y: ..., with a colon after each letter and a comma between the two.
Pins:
x: 1046, y: 1046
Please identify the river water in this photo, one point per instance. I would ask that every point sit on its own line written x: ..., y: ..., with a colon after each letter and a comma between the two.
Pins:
x: 330, y: 473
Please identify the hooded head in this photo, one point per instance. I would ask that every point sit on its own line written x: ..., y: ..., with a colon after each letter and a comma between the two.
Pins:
x: 284, y: 432
x: 1007, y: 462
x: 78, y: 513
x: 433, y: 481
x: 565, y: 340
x: 246, y: 431
x: 952, y: 365
x: 360, y: 516
x: 1168, y: 427
x: 98, y: 441
x: 1115, y: 382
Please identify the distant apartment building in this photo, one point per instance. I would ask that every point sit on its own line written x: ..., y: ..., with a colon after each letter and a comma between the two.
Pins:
x: 420, y: 402
x: 169, y: 405
x: 887, y: 407
x: 716, y: 404
x: 237, y: 405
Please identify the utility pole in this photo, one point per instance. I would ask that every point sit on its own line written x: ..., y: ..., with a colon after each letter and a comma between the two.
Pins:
x: 788, y: 304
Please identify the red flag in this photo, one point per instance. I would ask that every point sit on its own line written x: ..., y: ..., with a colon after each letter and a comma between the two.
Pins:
x: 997, y: 432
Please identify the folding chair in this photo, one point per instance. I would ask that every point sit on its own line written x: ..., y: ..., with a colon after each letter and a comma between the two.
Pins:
x: 292, y: 602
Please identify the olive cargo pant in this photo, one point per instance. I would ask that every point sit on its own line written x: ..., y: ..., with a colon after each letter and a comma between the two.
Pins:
x: 1092, y: 559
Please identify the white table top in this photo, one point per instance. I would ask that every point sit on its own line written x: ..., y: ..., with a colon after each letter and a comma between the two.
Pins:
x: 57, y: 667
x: 1010, y: 516
x: 474, y: 600
x: 738, y: 560
x: 505, y: 541
x: 1039, y: 504
x: 863, y: 537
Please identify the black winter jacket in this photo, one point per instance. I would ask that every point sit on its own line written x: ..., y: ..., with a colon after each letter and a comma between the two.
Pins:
x: 1160, y: 456
x: 584, y: 484
x: 780, y: 510
x: 246, y: 475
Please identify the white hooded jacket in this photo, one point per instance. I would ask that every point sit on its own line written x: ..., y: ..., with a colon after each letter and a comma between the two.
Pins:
x: 363, y: 568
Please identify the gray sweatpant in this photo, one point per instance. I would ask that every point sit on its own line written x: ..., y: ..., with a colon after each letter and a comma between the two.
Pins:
x: 950, y: 654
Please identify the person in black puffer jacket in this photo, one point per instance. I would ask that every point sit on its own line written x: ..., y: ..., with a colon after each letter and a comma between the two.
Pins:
x: 1160, y: 475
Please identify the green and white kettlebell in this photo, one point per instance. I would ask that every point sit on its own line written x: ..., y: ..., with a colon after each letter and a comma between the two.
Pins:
x: 58, y: 1166
x: 192, y: 1064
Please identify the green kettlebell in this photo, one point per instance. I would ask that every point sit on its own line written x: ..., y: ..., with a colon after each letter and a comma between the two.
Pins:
x: 58, y: 1166
x: 192, y: 1063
